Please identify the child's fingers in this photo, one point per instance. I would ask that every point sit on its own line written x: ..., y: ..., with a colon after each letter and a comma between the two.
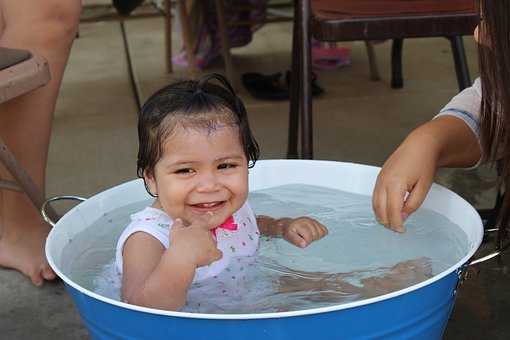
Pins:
x: 217, y: 254
x: 395, y: 201
x: 204, y: 220
x: 322, y: 230
x: 306, y: 234
x: 295, y: 238
x: 379, y: 204
x: 308, y: 229
x: 316, y: 231
x: 178, y: 224
x: 417, y: 196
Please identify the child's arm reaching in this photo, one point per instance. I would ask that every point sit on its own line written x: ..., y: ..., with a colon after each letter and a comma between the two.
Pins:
x: 160, y: 278
x: 299, y: 231
x: 445, y: 141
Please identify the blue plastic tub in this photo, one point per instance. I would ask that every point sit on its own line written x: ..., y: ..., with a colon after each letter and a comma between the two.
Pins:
x: 417, y: 312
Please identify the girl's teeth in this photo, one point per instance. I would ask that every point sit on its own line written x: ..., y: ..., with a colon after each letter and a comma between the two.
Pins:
x: 207, y: 205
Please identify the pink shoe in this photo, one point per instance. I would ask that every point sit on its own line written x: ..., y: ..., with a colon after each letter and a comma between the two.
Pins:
x: 209, y: 48
x: 205, y: 52
x: 328, y: 58
x: 201, y: 61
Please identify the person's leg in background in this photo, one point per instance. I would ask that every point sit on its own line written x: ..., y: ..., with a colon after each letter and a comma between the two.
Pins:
x: 46, y: 28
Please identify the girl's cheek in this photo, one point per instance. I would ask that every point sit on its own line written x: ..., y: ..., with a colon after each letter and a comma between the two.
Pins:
x: 477, y: 38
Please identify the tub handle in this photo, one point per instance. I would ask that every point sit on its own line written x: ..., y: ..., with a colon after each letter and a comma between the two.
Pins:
x: 468, y: 269
x: 490, y: 256
x: 44, y: 206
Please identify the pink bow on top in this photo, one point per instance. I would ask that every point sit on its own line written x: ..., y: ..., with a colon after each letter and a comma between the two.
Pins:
x: 229, y: 224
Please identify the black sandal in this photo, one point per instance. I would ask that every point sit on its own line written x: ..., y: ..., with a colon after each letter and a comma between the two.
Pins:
x: 270, y: 87
x: 265, y: 87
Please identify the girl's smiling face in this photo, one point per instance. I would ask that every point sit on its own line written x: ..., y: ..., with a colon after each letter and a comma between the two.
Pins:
x: 201, y: 171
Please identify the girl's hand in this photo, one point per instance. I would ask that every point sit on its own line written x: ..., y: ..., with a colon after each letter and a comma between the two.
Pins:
x: 444, y: 141
x: 303, y: 230
x: 194, y: 243
x: 410, y: 169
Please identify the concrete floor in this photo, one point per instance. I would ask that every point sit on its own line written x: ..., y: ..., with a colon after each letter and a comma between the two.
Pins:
x: 94, y: 145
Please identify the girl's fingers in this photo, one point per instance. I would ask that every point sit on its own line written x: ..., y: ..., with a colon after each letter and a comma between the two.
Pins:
x: 417, y: 196
x: 321, y: 230
x: 204, y: 221
x: 395, y: 203
x: 379, y: 205
x: 314, y: 230
x: 178, y: 223
x: 295, y: 238
x: 218, y: 254
x: 317, y: 231
x: 324, y: 229
x: 305, y: 233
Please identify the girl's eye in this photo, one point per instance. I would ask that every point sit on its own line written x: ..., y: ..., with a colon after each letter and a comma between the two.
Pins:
x: 185, y: 171
x: 227, y: 166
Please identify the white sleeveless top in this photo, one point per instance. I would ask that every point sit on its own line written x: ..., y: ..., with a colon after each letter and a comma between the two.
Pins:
x: 155, y: 222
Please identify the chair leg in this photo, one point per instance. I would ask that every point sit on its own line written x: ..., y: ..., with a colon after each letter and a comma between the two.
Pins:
x: 397, y: 81
x: 305, y: 82
x: 293, y: 132
x: 168, y: 36
x: 461, y: 66
x: 187, y: 39
x: 372, y: 61
x: 225, y: 42
x: 23, y: 180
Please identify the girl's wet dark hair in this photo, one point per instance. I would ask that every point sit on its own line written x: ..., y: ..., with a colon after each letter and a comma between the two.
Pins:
x: 191, y: 103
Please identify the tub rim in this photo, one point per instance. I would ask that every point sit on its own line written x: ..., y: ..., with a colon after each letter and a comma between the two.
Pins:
x: 256, y: 316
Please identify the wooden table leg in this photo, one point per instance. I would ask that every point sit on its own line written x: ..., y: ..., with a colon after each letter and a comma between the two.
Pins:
x: 225, y: 42
x: 187, y: 38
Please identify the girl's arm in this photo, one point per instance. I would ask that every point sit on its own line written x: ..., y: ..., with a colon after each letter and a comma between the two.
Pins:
x: 456, y: 143
x: 160, y: 278
x: 269, y: 226
x: 444, y: 141
x: 153, y: 276
x: 299, y: 231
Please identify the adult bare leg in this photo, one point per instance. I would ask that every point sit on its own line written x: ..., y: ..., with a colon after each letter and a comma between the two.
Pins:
x: 46, y: 28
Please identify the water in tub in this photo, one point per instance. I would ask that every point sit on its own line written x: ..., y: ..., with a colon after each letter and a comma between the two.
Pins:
x: 358, y: 259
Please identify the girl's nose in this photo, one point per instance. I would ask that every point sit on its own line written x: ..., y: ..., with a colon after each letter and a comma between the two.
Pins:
x: 207, y: 182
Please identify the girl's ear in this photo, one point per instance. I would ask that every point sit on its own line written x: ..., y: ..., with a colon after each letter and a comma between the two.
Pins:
x: 150, y: 182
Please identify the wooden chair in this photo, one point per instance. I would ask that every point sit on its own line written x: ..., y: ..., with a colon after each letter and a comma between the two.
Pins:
x: 20, y: 73
x: 348, y: 20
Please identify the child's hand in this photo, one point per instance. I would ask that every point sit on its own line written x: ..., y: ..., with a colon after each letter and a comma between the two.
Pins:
x: 411, y: 168
x: 444, y: 141
x: 194, y: 243
x: 303, y: 230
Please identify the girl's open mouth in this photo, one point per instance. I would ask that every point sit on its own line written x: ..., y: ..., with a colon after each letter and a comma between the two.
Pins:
x: 209, y: 206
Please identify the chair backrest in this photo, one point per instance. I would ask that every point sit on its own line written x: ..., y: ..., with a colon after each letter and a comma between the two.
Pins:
x: 371, y: 8
x: 343, y: 20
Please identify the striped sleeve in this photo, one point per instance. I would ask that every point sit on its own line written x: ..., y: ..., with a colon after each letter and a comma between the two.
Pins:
x: 466, y: 106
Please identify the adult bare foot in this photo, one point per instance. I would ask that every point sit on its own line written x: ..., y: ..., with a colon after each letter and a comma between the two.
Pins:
x: 24, y: 252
